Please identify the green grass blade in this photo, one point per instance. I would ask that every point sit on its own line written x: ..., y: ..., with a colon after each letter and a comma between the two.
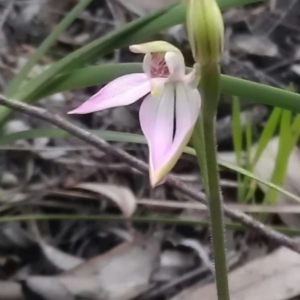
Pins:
x: 85, y: 77
x: 260, y: 93
x: 283, y: 153
x: 240, y: 88
x: 258, y: 179
x: 295, y: 127
x: 249, y: 187
x: 237, y: 141
x: 267, y: 134
x: 237, y: 129
x: 137, y: 219
x: 295, y: 130
x: 248, y: 134
x: 62, y: 26
x: 114, y: 136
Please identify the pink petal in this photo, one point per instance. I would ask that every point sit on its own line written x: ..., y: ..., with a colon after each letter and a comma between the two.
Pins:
x: 122, y: 91
x: 157, y: 123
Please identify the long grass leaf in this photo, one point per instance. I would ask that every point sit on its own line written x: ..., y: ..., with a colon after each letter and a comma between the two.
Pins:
x: 144, y: 219
x: 237, y: 129
x: 237, y: 141
x: 283, y: 153
x: 44, y: 47
x: 267, y: 134
x: 240, y: 88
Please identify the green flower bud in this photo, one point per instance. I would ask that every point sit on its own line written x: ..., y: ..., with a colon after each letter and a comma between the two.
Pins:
x: 205, y: 30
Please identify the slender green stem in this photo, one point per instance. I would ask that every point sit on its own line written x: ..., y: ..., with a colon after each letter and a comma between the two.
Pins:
x: 216, y: 213
x: 198, y: 144
x: 136, y: 219
x: 210, y: 83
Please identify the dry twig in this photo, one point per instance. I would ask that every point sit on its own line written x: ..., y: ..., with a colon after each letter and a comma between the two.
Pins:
x: 101, y: 145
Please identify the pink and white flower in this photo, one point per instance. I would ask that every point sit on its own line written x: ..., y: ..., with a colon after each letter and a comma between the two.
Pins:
x: 168, y: 112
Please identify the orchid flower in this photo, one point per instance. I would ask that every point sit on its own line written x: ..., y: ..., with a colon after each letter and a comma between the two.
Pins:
x: 168, y: 112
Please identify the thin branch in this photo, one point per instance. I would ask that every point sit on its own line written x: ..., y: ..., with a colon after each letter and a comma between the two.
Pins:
x: 101, y: 145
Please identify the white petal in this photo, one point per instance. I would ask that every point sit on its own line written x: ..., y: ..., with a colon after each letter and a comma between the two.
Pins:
x: 188, y: 102
x: 157, y: 123
x: 157, y: 85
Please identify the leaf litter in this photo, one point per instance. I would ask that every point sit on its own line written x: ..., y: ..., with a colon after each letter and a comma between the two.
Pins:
x: 111, y: 260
